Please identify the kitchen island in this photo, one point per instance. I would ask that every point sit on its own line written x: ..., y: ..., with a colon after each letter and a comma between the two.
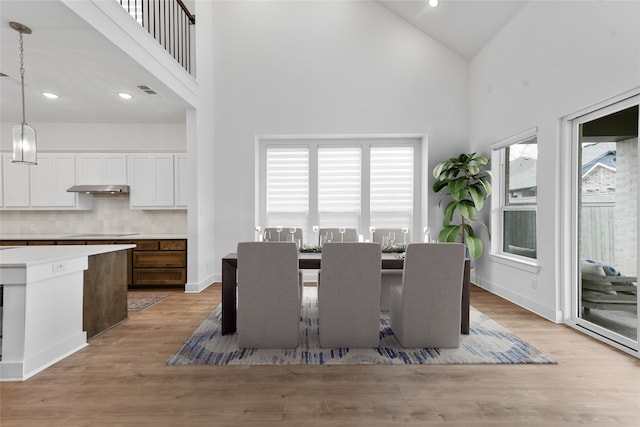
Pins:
x: 51, y: 304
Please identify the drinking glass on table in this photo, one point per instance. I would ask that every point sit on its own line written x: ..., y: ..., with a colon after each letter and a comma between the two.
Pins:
x: 279, y: 230
x: 342, y: 230
x: 267, y: 235
x: 292, y: 230
x: 405, y: 231
x: 392, y: 238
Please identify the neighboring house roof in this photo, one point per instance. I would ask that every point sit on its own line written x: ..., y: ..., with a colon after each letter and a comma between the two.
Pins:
x: 603, y: 154
x: 523, y: 169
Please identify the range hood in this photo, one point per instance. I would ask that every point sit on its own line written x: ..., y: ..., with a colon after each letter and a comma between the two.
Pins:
x: 99, y: 189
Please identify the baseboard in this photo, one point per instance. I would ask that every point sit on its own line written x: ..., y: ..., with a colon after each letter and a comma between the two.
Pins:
x: 526, y: 303
x: 195, y: 288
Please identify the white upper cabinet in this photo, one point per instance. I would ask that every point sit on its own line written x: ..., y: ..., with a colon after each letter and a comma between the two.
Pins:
x: 101, y: 168
x: 152, y: 178
x: 15, y: 183
x: 50, y: 179
x: 180, y: 171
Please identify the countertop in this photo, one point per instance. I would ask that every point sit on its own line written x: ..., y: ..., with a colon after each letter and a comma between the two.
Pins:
x: 93, y: 236
x: 26, y: 256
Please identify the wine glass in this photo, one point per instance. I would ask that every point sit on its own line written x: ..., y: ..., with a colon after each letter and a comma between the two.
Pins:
x: 427, y: 234
x: 279, y: 230
x: 328, y: 237
x: 258, y: 232
x: 405, y: 231
x: 292, y: 230
x: 315, y: 232
x: 342, y: 230
x: 267, y: 235
x: 392, y: 238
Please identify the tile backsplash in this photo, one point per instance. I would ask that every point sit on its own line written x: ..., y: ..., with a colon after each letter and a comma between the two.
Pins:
x: 110, y: 214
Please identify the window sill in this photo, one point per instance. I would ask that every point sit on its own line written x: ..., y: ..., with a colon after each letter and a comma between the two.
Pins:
x: 516, y: 262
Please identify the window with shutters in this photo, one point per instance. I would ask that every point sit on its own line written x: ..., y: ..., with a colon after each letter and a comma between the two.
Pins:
x: 347, y: 182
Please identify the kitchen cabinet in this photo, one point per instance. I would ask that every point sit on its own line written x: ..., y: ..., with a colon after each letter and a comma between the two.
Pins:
x: 101, y: 168
x: 180, y: 165
x: 41, y: 186
x: 159, y: 263
x: 15, y: 183
x: 152, y: 178
x: 49, y: 181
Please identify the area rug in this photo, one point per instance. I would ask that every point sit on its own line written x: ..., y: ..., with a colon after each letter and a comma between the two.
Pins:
x: 487, y: 343
x: 140, y: 302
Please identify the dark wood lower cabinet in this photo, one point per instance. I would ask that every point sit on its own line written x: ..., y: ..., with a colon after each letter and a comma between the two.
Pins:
x: 153, y: 263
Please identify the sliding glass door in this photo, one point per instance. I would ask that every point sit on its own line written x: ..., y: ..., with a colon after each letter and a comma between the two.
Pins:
x: 606, y: 187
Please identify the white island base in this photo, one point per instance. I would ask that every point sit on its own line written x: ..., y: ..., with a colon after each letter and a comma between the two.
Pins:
x: 43, y: 306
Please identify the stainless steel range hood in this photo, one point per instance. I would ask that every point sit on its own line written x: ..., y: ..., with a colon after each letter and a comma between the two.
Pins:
x: 99, y: 189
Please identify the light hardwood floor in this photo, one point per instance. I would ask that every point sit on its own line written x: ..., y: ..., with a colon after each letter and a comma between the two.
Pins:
x: 121, y: 379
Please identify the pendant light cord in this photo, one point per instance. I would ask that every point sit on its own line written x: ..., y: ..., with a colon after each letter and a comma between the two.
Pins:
x: 22, y: 77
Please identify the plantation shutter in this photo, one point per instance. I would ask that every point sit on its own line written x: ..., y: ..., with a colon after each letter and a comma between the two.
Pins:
x: 339, y: 183
x: 287, y: 186
x: 391, y: 186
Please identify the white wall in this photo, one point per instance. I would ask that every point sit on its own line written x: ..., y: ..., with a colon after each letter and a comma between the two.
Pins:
x: 319, y: 67
x: 122, y: 137
x: 553, y: 59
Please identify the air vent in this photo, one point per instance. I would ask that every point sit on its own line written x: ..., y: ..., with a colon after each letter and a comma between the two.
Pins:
x: 146, y: 89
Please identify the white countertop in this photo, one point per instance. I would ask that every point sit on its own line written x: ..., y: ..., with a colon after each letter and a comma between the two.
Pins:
x: 26, y: 256
x: 93, y: 236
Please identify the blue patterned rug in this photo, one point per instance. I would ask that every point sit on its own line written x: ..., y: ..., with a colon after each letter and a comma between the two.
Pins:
x: 487, y: 343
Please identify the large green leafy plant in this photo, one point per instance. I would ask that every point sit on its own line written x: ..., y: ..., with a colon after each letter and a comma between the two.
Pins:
x: 464, y: 181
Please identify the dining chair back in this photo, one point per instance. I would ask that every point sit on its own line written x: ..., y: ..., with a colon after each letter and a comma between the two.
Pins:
x: 350, y: 235
x: 349, y: 295
x: 425, y: 310
x: 269, y: 295
x: 382, y: 236
x: 271, y: 234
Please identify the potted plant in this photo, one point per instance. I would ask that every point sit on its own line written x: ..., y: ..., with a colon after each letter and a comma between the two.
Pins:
x: 465, y: 181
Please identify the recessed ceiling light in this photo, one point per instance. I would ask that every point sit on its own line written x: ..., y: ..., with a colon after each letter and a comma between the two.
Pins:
x: 49, y: 95
x: 433, y: 3
x: 124, y: 95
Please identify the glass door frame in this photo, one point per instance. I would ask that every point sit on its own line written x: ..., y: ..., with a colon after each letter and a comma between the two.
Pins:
x: 569, y: 274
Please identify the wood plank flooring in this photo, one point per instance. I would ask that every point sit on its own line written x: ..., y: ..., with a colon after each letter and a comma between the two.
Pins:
x: 121, y: 379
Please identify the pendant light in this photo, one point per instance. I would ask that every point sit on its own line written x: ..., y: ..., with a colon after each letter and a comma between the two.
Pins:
x: 24, y: 136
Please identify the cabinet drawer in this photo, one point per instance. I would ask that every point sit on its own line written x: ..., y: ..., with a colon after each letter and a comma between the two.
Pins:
x: 159, y: 276
x: 159, y: 259
x: 71, y: 242
x: 41, y: 243
x: 173, y: 245
x: 146, y: 245
x: 13, y: 243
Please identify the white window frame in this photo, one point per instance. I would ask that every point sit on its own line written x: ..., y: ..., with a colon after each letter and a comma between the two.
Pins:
x: 499, y: 206
x: 418, y: 141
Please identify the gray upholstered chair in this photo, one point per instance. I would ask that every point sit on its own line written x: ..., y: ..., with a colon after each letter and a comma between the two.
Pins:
x: 389, y: 277
x: 350, y: 235
x: 283, y: 236
x: 269, y: 295
x: 349, y: 295
x: 425, y: 309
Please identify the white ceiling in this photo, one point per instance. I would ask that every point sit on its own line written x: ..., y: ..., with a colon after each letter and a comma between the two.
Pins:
x: 66, y: 56
x: 464, y: 26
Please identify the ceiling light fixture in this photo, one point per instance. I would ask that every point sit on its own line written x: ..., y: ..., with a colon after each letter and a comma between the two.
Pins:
x: 124, y: 95
x: 49, y: 95
x: 24, y: 136
x: 433, y: 3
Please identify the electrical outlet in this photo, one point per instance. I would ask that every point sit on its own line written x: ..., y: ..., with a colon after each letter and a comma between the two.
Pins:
x: 59, y: 266
x: 534, y: 284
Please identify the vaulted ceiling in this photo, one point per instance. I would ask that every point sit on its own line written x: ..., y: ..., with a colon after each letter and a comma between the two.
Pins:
x: 67, y: 56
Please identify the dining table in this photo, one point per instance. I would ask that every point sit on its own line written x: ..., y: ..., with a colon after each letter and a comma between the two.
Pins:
x: 312, y: 261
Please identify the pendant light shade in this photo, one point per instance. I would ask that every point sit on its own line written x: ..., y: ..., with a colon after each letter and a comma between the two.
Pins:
x: 24, y: 144
x: 24, y: 136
